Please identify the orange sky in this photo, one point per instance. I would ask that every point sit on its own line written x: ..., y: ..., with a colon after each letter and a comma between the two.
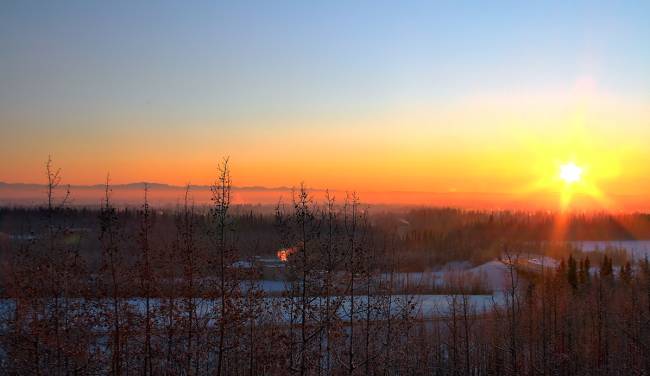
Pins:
x: 484, y: 144
x: 483, y: 140
x: 431, y: 97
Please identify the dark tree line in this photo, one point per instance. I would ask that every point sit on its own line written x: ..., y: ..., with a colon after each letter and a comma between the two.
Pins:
x: 172, y: 293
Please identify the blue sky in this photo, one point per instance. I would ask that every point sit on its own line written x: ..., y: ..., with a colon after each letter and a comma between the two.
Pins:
x: 193, y: 58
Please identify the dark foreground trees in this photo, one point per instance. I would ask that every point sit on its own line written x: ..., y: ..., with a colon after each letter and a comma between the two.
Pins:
x: 175, y: 296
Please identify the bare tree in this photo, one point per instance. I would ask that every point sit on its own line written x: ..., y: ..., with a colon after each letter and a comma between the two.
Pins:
x: 331, y: 258
x: 112, y: 266
x: 147, y: 280
x: 228, y: 285
x: 191, y: 258
x: 351, y: 221
x: 510, y: 260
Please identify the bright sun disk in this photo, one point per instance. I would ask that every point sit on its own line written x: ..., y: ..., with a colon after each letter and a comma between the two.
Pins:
x: 570, y: 173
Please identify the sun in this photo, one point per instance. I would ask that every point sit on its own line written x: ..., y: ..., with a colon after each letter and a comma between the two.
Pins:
x: 570, y: 173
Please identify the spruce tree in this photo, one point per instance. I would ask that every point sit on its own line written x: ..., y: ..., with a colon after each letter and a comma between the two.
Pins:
x: 606, y: 267
x: 587, y: 266
x: 572, y: 275
x: 626, y: 272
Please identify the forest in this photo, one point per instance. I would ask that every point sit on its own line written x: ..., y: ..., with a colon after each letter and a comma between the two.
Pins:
x: 119, y: 290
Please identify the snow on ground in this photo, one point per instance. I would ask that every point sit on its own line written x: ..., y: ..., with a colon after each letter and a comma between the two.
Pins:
x: 637, y: 249
x: 440, y: 305
x: 493, y: 273
x: 425, y: 306
x: 269, y: 286
x: 544, y: 261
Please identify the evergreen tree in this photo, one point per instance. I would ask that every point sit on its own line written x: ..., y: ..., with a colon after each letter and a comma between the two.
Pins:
x: 626, y: 273
x: 645, y: 266
x: 606, y: 267
x: 572, y: 274
x: 587, y: 266
x: 561, y: 269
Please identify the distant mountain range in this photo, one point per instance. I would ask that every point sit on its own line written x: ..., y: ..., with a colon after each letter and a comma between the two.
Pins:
x: 162, y: 194
x: 140, y: 185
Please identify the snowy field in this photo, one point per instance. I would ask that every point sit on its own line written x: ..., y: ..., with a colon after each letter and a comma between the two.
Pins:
x: 420, y: 306
x: 637, y: 249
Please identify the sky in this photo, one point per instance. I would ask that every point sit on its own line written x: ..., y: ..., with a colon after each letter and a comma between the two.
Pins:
x: 429, y: 96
